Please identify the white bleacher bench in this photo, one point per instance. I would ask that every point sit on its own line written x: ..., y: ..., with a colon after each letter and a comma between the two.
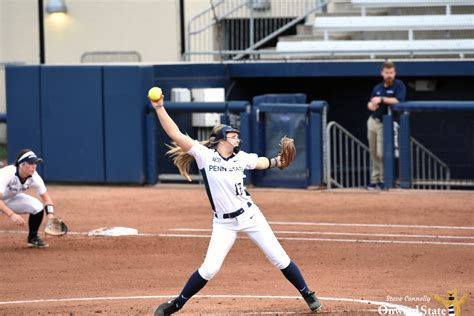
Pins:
x: 377, y: 47
x: 363, y: 4
x: 408, y: 23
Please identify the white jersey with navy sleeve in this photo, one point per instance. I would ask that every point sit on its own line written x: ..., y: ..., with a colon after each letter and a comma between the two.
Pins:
x: 224, y: 178
x: 12, y: 191
x: 11, y: 185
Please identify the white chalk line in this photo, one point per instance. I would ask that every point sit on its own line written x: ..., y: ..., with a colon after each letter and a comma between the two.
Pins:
x: 371, y: 225
x: 405, y: 309
x: 340, y: 234
x: 364, y: 241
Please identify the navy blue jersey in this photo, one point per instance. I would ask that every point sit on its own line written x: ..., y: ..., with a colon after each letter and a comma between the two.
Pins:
x: 396, y: 90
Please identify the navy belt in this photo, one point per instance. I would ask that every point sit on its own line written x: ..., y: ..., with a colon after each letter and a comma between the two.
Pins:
x: 233, y: 214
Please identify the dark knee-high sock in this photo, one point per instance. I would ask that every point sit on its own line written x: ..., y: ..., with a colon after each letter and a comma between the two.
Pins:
x: 195, y: 283
x: 293, y: 274
x: 34, y: 222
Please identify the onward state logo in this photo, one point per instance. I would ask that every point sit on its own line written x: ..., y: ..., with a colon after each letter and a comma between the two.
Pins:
x: 451, y: 303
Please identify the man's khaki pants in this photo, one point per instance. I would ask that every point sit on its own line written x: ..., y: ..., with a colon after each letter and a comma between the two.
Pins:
x: 375, y: 137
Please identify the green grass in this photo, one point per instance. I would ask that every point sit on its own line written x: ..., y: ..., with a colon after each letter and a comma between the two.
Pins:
x: 3, y: 152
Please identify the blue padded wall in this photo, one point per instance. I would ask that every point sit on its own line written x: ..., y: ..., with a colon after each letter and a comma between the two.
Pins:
x: 72, y: 123
x: 294, y: 102
x: 125, y: 100
x: 257, y: 129
x: 23, y: 101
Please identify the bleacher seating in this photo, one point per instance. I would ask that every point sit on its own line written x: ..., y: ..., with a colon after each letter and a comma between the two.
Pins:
x: 429, y: 31
x: 374, y: 48
x: 363, y: 4
x: 408, y: 23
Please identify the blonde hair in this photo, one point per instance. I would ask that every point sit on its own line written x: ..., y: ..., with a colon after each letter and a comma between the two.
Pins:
x: 182, y: 160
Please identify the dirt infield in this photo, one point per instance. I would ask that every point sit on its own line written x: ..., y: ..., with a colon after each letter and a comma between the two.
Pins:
x: 393, y: 247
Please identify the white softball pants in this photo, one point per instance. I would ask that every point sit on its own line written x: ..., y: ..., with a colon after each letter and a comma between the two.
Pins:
x: 224, y: 234
x: 23, y: 203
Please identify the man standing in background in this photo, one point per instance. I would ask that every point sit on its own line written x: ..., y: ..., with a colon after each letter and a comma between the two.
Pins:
x: 386, y: 93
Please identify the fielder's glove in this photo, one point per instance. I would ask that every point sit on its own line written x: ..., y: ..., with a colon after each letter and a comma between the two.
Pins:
x: 287, y: 152
x: 56, y: 227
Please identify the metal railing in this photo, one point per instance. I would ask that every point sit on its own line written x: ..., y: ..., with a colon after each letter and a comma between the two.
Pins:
x: 428, y: 171
x: 347, y: 160
x: 234, y: 29
x: 348, y: 163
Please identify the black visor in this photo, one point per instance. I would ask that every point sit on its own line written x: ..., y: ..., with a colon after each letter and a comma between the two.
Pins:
x: 30, y: 158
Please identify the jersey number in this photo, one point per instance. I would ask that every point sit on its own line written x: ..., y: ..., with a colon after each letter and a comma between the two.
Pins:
x: 239, y: 189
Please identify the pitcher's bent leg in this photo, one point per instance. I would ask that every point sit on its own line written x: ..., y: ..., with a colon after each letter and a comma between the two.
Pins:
x: 262, y: 234
x: 221, y: 242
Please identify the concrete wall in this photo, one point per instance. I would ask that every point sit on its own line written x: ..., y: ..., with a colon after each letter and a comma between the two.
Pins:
x: 148, y: 26
x: 19, y: 27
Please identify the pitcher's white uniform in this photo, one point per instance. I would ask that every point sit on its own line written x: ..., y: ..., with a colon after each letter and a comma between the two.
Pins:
x: 224, y: 181
x: 13, y: 191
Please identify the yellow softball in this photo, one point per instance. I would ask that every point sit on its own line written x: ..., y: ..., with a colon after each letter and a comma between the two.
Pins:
x: 154, y: 94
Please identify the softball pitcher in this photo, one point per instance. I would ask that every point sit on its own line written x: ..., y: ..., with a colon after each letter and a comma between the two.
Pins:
x: 222, y: 165
x: 14, y: 181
